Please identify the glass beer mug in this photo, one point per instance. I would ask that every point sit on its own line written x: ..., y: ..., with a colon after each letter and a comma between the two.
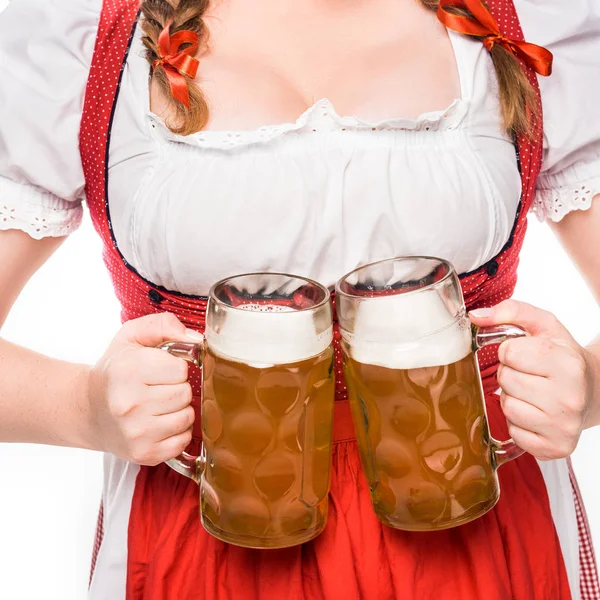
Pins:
x: 267, y: 410
x: 416, y: 395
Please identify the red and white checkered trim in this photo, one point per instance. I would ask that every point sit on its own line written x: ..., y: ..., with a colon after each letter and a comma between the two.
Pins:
x: 588, y: 569
x: 97, y: 540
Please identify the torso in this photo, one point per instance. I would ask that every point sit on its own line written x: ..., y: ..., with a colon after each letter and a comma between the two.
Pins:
x: 317, y: 196
x: 406, y: 155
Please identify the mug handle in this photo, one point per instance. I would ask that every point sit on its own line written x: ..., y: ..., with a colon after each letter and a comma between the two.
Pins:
x: 186, y: 464
x: 502, y: 452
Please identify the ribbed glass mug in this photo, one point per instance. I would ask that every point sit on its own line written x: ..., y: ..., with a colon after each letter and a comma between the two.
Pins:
x: 416, y: 394
x: 267, y: 410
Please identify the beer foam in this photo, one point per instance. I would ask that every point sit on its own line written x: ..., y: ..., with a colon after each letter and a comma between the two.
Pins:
x: 408, y: 332
x: 263, y: 335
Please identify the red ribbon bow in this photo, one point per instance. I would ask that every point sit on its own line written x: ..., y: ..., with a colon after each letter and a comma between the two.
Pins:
x: 483, y: 25
x: 177, y: 63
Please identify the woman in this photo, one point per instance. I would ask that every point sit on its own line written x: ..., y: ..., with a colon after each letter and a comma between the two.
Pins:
x: 194, y: 175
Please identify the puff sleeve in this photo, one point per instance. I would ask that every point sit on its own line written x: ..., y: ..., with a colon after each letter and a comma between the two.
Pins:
x: 570, y: 176
x: 46, y: 48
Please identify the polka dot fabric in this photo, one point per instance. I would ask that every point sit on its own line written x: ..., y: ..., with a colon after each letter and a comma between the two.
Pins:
x: 170, y: 556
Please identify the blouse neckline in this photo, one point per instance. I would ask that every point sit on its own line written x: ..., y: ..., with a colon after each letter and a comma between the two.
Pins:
x: 320, y: 117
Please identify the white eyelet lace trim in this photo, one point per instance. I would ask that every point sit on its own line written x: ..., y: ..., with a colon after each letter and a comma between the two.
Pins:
x: 322, y: 116
x: 38, y: 213
x: 555, y: 204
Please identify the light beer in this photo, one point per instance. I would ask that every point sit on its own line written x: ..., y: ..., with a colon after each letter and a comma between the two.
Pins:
x: 267, y: 414
x: 418, y: 409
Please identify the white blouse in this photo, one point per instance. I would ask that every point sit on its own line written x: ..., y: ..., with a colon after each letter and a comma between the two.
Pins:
x: 316, y: 197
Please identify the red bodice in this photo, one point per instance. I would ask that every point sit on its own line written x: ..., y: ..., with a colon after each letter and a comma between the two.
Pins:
x: 491, y: 283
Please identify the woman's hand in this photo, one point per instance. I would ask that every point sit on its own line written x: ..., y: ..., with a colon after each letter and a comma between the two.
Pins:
x: 139, y: 395
x: 547, y: 380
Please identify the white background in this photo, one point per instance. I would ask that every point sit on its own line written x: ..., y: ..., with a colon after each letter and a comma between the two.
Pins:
x: 49, y: 496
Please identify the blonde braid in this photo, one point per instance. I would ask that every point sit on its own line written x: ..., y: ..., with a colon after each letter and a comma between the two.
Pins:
x: 518, y: 99
x: 185, y: 15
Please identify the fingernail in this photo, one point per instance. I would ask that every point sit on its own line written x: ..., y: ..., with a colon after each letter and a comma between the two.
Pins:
x: 194, y: 335
x: 482, y: 313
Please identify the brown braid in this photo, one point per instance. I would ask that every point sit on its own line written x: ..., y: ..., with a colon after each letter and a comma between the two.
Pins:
x: 186, y: 15
x: 517, y: 97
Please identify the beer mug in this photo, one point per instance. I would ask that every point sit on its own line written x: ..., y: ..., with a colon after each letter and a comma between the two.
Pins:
x: 416, y: 395
x: 267, y: 410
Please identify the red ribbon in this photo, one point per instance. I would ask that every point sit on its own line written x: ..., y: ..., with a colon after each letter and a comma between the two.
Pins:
x: 178, y: 64
x: 482, y: 24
